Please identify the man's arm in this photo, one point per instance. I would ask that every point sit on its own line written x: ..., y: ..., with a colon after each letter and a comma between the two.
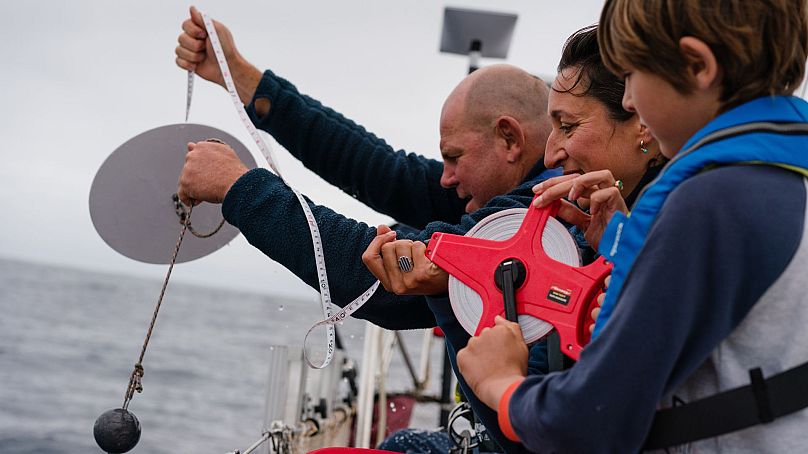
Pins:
x: 269, y: 215
x: 403, y: 185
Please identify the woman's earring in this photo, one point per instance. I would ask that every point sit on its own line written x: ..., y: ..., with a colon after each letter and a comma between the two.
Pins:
x: 642, y: 147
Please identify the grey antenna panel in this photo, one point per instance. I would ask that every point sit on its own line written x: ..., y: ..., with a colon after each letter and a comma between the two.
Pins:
x: 461, y: 27
x: 131, y: 202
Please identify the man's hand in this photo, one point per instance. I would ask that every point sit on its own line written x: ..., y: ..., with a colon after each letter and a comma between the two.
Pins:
x: 493, y: 360
x: 382, y: 259
x: 210, y: 170
x: 195, y: 52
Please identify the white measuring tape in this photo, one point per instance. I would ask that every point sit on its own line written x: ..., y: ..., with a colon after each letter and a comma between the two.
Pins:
x: 325, y: 296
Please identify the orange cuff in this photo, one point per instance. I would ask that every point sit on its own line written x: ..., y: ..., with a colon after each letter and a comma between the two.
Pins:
x: 503, y: 418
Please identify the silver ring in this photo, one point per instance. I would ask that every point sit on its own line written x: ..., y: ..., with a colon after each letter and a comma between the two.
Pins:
x: 215, y: 140
x: 405, y: 264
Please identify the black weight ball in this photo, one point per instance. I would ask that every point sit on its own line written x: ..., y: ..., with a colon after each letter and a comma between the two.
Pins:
x: 116, y: 431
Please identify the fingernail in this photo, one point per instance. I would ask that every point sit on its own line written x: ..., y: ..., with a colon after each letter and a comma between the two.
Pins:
x: 572, y: 195
x: 539, y: 201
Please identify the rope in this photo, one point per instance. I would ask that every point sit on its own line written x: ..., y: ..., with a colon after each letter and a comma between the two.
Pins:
x: 185, y: 217
x: 135, y: 383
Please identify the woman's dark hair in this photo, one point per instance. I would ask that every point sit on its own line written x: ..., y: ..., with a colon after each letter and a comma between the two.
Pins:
x: 581, y: 52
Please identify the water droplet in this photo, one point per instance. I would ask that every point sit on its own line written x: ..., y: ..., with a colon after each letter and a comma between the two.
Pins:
x: 392, y: 407
x: 280, y: 308
x: 352, y: 336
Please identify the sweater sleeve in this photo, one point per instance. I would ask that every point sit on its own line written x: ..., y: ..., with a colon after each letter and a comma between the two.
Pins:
x: 269, y: 215
x: 403, y: 185
x: 695, y: 280
x: 267, y: 212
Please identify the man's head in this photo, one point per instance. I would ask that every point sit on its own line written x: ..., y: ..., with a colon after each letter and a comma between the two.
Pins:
x: 493, y: 128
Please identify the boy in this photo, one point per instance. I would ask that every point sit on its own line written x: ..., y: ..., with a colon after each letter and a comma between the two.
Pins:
x: 705, y: 315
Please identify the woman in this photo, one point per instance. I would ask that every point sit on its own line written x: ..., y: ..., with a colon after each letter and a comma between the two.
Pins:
x: 591, y: 133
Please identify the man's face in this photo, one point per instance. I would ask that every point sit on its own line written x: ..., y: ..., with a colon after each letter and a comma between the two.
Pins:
x: 472, y: 161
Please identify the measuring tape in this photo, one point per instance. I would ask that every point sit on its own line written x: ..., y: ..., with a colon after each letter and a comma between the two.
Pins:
x: 556, y: 241
x: 548, y: 284
x: 330, y: 319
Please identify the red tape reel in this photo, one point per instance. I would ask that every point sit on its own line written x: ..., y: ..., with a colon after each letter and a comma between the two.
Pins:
x: 559, y: 294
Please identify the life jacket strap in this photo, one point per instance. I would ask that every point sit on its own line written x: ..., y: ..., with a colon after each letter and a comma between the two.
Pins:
x: 760, y: 402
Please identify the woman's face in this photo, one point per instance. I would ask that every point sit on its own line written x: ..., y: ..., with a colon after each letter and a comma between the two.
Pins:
x: 584, y: 138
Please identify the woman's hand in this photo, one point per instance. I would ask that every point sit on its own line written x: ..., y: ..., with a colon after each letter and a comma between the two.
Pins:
x: 383, y: 258
x: 494, y: 360
x: 597, y: 190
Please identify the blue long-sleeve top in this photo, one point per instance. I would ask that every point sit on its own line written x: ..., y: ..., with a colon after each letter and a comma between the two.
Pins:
x: 706, y: 263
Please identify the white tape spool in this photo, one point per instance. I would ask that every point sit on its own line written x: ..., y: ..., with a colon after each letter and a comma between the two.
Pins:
x: 558, y: 244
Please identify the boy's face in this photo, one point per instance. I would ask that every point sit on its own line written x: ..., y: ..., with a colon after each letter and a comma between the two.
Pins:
x: 671, y: 117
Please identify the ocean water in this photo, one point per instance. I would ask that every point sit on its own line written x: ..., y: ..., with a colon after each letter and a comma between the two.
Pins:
x: 69, y: 339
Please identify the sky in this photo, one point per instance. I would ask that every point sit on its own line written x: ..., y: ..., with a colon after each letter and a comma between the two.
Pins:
x: 82, y: 77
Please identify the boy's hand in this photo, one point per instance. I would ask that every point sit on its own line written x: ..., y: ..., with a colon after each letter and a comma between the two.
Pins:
x: 494, y: 360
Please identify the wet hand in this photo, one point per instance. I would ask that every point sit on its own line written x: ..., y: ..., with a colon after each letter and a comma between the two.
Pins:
x: 383, y: 258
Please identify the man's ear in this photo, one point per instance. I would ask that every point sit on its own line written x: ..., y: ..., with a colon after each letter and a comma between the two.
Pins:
x: 702, y: 67
x: 511, y: 133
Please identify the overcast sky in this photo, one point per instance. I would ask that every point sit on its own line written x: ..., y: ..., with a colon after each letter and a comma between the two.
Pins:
x: 80, y: 78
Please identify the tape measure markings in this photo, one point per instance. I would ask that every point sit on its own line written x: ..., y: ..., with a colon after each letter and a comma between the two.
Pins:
x: 319, y: 257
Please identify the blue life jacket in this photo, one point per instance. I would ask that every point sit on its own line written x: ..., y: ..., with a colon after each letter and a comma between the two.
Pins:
x: 770, y: 130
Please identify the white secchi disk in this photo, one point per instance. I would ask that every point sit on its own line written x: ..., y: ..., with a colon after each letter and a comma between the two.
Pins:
x: 130, y: 198
x: 558, y: 244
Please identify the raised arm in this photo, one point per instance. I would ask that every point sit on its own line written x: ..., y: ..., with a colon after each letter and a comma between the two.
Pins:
x: 403, y: 185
